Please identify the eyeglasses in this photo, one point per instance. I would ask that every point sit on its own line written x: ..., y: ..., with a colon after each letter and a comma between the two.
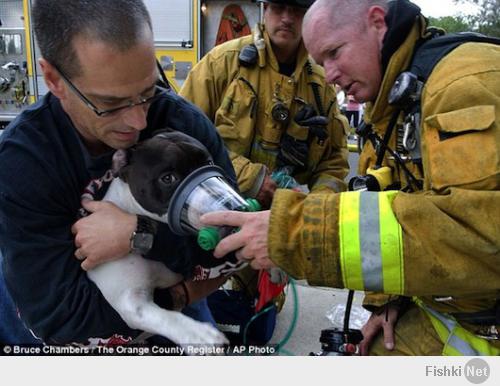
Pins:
x: 158, y: 92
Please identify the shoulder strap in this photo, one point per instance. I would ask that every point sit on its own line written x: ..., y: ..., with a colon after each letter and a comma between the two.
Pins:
x: 431, y: 51
x: 315, y: 89
x: 406, y: 91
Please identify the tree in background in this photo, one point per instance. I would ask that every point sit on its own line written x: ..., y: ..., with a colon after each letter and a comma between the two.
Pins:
x: 487, y: 20
x: 451, y: 23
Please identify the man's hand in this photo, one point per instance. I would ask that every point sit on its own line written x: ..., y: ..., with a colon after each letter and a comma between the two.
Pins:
x: 376, y: 322
x: 250, y: 241
x: 266, y: 192
x: 103, y: 235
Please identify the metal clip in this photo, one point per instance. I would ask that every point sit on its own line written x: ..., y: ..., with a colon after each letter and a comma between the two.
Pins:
x: 409, y: 139
x: 443, y: 299
x: 489, y: 333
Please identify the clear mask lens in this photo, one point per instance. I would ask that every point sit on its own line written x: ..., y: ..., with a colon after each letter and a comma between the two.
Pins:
x: 203, y: 191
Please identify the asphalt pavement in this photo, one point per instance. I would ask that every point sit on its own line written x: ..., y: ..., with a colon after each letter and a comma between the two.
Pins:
x: 317, y: 308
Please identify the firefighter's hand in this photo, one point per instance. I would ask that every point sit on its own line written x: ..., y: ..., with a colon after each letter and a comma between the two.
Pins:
x: 250, y: 241
x: 373, y: 326
x: 104, y: 235
x: 266, y: 192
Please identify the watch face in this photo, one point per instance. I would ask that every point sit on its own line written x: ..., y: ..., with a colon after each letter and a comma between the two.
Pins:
x: 142, y: 242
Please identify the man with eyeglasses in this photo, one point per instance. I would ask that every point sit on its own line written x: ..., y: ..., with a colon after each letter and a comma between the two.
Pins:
x: 271, y: 104
x: 98, y: 61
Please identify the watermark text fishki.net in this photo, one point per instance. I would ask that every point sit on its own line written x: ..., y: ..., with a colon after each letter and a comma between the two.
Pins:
x: 476, y: 371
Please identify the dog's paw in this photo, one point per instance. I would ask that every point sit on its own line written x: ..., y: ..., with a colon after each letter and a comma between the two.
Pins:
x: 205, y: 340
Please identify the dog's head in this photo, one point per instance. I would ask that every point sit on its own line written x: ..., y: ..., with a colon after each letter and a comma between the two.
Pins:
x: 155, y: 167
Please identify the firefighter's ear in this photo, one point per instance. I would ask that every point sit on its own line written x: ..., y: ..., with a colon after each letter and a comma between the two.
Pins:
x: 376, y: 20
x: 53, y: 79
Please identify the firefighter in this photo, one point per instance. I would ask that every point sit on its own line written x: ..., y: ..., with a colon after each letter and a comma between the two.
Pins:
x: 431, y: 248
x: 263, y: 93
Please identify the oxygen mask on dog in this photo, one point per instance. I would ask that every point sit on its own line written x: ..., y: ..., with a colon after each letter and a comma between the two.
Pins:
x: 205, y: 190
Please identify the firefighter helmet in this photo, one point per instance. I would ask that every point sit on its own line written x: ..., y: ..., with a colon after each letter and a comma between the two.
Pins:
x: 293, y: 3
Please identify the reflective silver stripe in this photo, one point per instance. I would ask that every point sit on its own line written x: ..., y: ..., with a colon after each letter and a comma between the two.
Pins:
x: 463, y: 347
x: 449, y: 324
x: 453, y: 340
x: 369, y: 235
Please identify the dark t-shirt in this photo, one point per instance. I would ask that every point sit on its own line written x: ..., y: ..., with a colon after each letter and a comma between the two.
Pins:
x: 43, y: 171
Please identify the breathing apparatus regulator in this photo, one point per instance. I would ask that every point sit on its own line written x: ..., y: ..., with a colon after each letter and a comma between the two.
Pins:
x: 205, y: 190
x: 378, y: 177
x: 405, y: 96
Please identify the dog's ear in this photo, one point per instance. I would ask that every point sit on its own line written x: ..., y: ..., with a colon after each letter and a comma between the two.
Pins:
x: 119, y: 162
x: 188, y: 144
x: 162, y: 131
x: 196, y: 151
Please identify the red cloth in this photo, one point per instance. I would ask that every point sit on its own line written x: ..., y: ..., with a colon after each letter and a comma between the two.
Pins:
x: 267, y: 290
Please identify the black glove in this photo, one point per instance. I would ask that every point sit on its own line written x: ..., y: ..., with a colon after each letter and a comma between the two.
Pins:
x: 308, y: 117
x: 293, y: 152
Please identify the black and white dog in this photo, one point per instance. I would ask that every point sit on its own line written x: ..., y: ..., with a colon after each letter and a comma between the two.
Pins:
x: 146, y: 179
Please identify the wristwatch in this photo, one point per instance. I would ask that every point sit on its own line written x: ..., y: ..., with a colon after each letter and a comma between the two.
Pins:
x: 141, y: 240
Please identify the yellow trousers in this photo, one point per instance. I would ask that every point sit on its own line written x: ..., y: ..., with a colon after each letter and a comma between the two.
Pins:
x: 413, y: 335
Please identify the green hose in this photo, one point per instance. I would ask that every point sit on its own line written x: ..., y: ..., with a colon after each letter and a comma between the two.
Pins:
x: 283, y: 342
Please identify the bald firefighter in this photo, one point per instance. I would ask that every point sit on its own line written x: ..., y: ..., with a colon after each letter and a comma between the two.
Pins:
x: 422, y: 226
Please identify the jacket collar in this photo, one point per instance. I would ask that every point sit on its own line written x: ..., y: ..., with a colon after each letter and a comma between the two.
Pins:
x: 302, y: 56
x: 380, y: 109
x: 400, y: 18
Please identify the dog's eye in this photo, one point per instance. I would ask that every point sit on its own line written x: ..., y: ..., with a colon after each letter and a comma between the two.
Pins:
x: 168, y: 178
